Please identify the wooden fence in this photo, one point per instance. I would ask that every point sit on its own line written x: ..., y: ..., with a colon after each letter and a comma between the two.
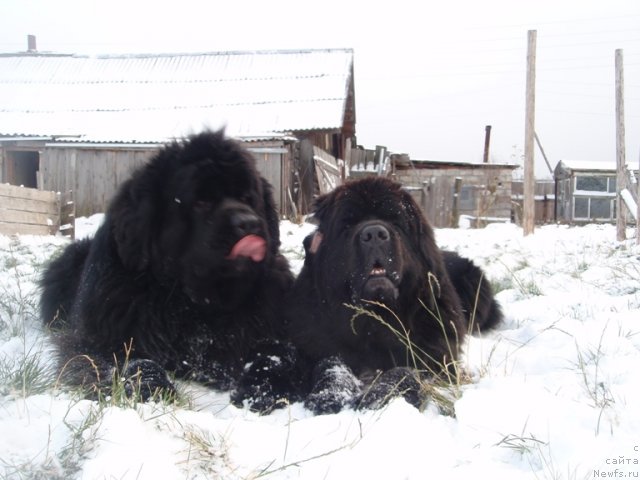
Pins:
x: 27, y: 211
x: 544, y: 201
x: 328, y: 170
x: 368, y: 162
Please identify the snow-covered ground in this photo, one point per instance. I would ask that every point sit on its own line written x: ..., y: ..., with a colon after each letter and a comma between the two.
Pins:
x: 554, y: 392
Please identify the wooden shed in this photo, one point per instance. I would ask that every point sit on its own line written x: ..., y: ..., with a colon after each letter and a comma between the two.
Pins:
x: 93, y: 171
x: 544, y: 201
x: 586, y: 191
x: 83, y: 123
x: 448, y: 190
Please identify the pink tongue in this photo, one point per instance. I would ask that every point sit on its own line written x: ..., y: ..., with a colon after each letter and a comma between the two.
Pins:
x: 251, y: 246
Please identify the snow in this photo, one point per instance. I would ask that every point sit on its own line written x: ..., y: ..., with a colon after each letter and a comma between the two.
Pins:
x: 630, y: 202
x: 553, y: 393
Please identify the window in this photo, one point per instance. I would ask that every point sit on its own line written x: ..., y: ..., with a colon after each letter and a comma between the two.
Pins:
x: 594, y: 197
x: 581, y: 208
x: 596, y: 183
x: 593, y: 208
x: 600, y: 208
x: 591, y: 184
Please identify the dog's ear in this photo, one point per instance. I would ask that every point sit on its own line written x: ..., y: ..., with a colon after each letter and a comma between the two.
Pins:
x: 133, y: 212
x: 312, y: 243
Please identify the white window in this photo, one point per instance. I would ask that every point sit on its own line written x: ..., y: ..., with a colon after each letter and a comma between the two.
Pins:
x: 594, y: 197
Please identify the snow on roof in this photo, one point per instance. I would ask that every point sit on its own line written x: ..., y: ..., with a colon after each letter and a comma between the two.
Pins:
x: 587, y: 165
x: 416, y: 163
x: 145, y: 98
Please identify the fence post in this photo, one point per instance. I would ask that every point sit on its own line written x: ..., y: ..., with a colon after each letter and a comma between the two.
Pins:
x: 455, y: 211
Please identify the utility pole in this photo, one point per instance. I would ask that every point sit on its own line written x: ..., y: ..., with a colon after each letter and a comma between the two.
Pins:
x: 528, y: 207
x: 621, y: 220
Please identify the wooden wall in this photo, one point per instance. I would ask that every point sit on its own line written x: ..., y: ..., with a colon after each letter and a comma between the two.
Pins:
x: 273, y: 161
x: 544, y: 201
x: 94, y: 173
x: 485, y: 192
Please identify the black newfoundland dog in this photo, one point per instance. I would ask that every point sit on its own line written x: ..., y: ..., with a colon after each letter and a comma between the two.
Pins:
x: 377, y: 307
x: 183, y: 276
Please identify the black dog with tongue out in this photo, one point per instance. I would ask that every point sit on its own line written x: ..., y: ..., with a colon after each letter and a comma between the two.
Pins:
x: 184, y: 276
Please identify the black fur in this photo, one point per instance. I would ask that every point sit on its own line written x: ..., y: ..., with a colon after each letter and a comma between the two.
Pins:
x: 161, y: 288
x: 479, y: 306
x: 374, y: 251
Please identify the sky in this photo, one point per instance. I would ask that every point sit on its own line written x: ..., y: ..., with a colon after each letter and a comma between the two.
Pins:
x: 429, y: 75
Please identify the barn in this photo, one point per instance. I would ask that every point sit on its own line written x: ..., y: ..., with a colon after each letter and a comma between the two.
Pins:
x: 81, y: 124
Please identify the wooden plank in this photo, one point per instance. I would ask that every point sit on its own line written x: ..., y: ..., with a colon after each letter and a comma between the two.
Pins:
x: 32, y: 218
x: 18, y: 229
x: 67, y: 215
x: 27, y: 193
x: 28, y: 211
x: 38, y: 206
x: 327, y: 170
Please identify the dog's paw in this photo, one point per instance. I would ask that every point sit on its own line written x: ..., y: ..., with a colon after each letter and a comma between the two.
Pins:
x: 269, y: 381
x: 146, y: 379
x: 335, y: 387
x: 398, y: 382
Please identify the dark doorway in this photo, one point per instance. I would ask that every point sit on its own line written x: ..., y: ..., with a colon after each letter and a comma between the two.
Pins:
x: 21, y: 168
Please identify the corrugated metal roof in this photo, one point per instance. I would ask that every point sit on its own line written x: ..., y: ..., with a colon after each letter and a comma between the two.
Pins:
x: 143, y: 98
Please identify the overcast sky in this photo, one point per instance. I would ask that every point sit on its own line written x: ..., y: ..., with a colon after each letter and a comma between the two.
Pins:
x: 430, y: 75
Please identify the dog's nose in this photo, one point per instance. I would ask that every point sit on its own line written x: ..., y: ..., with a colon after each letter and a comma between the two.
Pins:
x: 374, y: 235
x: 245, y: 223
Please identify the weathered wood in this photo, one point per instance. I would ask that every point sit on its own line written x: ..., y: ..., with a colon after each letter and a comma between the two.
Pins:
x: 327, y: 170
x: 29, y: 211
x: 95, y: 173
x: 26, y: 193
x: 67, y: 214
x: 347, y: 159
x: 378, y: 159
x: 455, y: 213
x: 544, y: 155
x: 306, y: 172
x: 489, y: 193
x: 23, y: 229
x: 621, y: 217
x: 528, y: 209
x: 46, y: 206
x: 26, y: 217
